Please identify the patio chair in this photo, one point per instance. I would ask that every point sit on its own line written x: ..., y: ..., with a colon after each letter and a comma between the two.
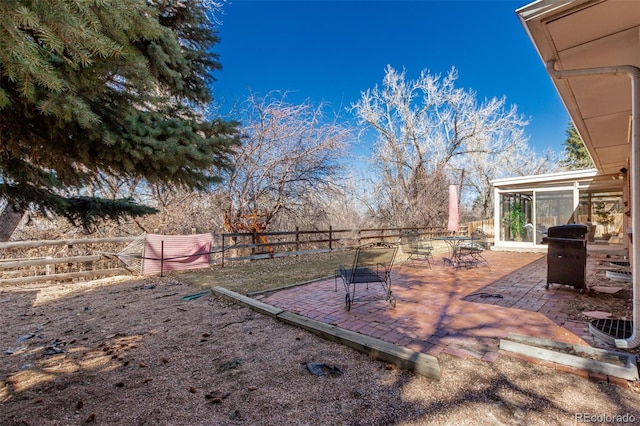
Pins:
x: 372, y: 264
x: 417, y: 251
x: 470, y: 254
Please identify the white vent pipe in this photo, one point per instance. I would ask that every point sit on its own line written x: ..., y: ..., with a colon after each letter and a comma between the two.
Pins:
x: 634, y: 73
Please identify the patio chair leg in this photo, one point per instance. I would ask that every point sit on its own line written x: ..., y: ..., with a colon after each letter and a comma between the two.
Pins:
x: 392, y: 299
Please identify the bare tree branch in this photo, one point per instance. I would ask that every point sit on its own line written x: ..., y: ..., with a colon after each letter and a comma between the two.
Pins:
x: 428, y: 131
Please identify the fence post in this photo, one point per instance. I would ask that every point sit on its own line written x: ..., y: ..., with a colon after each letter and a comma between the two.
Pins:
x: 253, y: 244
x: 222, y: 236
x: 47, y: 268
x: 69, y: 254
x: 330, y: 238
x: 161, y: 257
x: 297, y: 238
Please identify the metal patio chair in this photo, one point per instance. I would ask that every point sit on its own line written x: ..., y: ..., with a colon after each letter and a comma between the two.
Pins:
x: 372, y: 264
x: 470, y: 254
x: 418, y: 251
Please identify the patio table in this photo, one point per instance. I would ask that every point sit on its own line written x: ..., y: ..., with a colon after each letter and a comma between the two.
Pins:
x: 454, y: 243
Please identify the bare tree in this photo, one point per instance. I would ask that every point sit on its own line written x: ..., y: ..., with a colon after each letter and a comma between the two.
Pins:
x: 518, y: 159
x: 427, y: 129
x: 179, y: 211
x: 339, y: 208
x: 289, y: 152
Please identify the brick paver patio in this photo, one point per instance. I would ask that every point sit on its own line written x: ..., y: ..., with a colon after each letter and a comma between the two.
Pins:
x: 462, y: 312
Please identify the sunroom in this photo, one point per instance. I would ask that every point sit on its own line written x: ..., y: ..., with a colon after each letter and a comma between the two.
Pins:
x: 527, y: 206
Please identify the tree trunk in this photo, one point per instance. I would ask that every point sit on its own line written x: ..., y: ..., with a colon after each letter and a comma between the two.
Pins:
x: 9, y: 221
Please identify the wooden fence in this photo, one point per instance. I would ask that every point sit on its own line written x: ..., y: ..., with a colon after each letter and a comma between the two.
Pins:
x: 70, y: 259
x: 245, y: 246
x: 483, y: 227
x: 67, y: 259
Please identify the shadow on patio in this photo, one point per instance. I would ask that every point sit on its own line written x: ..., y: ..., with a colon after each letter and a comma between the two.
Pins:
x: 462, y: 312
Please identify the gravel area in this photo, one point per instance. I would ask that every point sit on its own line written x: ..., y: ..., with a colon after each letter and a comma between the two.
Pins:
x: 158, y: 351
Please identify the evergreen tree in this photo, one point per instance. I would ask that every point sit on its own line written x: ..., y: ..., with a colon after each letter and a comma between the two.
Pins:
x: 97, y: 87
x: 576, y: 156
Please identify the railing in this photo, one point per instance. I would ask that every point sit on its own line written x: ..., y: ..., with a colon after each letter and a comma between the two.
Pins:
x: 244, y: 246
x: 69, y: 259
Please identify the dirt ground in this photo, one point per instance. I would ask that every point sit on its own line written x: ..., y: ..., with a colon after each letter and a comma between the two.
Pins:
x: 157, y: 351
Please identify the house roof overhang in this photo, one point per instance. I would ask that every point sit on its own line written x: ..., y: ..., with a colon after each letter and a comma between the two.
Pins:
x: 587, y: 180
x: 591, y: 50
x: 585, y: 34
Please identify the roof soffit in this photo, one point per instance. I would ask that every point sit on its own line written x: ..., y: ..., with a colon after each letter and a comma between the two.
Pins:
x: 588, y: 34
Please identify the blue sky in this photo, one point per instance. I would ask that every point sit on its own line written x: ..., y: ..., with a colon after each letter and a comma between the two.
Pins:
x: 331, y: 51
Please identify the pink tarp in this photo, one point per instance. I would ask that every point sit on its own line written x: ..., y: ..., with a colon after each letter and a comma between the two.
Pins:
x: 165, y: 253
x: 454, y: 215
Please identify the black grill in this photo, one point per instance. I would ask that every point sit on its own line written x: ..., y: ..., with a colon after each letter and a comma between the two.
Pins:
x: 567, y: 256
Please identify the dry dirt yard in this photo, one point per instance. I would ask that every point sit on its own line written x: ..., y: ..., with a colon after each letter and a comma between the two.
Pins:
x: 137, y: 352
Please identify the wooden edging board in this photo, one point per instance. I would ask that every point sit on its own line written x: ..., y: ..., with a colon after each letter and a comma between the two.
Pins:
x: 256, y: 305
x: 423, y: 364
x: 532, y: 347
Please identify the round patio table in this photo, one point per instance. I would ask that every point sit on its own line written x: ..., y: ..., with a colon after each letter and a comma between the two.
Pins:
x: 454, y: 243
